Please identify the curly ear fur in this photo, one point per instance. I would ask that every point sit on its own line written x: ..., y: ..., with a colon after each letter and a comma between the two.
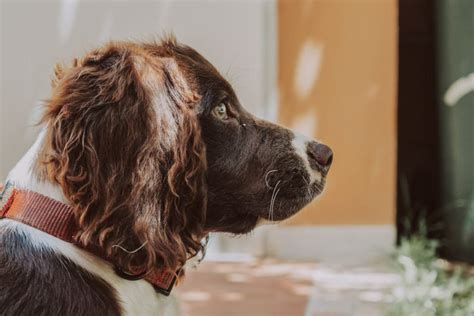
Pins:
x: 124, y: 144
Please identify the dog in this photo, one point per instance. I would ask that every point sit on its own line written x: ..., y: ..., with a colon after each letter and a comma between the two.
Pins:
x: 144, y: 150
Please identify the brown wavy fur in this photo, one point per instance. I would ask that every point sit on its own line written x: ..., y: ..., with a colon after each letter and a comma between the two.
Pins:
x: 125, y: 145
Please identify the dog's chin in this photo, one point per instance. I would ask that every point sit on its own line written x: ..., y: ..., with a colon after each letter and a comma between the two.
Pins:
x: 288, y: 205
x: 236, y: 226
x: 284, y: 205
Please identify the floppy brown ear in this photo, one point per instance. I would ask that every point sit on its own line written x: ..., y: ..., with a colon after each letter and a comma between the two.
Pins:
x: 60, y: 70
x: 58, y: 74
x: 124, y: 144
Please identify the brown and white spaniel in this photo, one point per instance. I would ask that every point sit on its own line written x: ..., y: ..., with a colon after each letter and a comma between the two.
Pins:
x: 148, y: 148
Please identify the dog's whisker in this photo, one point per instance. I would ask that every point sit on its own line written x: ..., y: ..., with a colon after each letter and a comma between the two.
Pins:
x: 307, y: 187
x: 270, y: 206
x: 266, y: 178
x: 272, y: 200
x: 273, y: 205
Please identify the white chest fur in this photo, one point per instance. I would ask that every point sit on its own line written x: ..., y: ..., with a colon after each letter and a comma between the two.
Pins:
x: 136, y: 297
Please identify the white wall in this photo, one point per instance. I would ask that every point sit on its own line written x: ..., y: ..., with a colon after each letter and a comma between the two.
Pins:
x: 236, y: 36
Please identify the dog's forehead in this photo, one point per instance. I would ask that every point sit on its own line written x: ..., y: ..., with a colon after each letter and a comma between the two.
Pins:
x: 210, y: 83
x: 200, y: 73
x: 201, y: 68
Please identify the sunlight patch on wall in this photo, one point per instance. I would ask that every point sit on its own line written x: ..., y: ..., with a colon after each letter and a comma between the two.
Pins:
x: 373, y: 91
x: 307, y: 68
x: 66, y: 18
x: 106, y: 29
x: 305, y: 8
x: 305, y: 123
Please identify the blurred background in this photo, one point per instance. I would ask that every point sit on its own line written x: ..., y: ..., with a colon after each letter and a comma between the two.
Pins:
x: 388, y: 84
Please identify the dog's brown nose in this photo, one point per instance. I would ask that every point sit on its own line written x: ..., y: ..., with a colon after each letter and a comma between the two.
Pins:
x: 320, y: 153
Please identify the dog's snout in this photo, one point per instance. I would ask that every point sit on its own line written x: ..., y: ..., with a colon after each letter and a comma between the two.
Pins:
x: 320, y: 153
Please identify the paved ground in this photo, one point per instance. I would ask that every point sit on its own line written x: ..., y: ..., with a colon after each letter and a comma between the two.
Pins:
x: 273, y: 288
x: 351, y: 291
x: 261, y: 288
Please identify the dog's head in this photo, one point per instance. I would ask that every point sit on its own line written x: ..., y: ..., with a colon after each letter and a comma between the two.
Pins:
x: 153, y: 149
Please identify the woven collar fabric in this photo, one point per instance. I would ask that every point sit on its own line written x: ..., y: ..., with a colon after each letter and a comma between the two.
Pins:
x: 57, y: 219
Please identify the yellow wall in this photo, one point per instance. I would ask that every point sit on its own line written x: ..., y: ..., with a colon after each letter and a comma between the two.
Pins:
x: 337, y: 82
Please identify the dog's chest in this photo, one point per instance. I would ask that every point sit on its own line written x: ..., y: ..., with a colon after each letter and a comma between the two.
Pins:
x: 134, y: 297
x: 139, y: 298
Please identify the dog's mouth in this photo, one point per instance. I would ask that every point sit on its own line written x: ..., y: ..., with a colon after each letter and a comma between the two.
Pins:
x: 290, y: 195
x: 303, y: 178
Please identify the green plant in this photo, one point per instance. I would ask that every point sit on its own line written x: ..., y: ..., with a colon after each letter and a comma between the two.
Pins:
x: 428, y: 285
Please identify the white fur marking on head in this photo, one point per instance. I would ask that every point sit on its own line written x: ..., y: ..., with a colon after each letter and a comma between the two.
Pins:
x: 153, y: 82
x: 300, y: 143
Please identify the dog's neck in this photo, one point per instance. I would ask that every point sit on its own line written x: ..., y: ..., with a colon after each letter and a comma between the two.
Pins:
x: 24, y: 175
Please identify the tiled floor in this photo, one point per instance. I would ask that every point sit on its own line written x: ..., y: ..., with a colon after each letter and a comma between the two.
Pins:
x: 275, y: 288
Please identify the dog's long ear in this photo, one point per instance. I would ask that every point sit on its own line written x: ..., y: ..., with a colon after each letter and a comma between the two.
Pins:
x: 124, y: 144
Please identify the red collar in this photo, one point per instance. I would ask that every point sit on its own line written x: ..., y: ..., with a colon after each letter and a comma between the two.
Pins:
x: 57, y: 219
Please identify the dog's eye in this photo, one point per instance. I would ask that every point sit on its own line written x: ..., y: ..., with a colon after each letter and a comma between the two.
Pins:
x: 220, y: 112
